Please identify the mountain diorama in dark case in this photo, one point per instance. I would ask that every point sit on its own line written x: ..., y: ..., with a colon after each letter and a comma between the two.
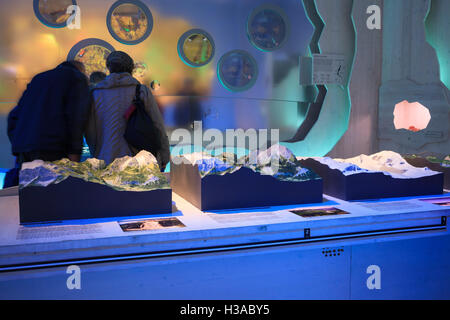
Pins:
x: 263, y: 178
x: 65, y: 190
x: 382, y: 175
x: 435, y: 163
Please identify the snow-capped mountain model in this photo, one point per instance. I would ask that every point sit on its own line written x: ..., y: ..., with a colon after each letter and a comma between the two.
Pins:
x: 139, y: 173
x: 276, y: 161
x: 387, y: 162
x: 446, y: 162
x: 434, y: 161
x: 271, y: 177
x: 382, y: 175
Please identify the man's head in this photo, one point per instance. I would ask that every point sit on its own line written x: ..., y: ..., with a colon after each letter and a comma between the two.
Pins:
x: 119, y: 61
x: 96, y: 77
x: 77, y: 64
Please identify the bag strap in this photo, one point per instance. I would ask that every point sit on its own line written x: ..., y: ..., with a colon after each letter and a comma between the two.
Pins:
x: 137, y: 96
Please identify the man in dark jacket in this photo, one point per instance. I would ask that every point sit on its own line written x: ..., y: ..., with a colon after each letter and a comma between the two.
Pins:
x: 50, y: 118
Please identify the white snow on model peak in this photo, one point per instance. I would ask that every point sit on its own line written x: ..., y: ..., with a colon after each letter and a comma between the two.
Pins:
x: 143, y: 158
x: 33, y: 164
x: 194, y: 158
x: 387, y: 162
x: 274, y: 153
x: 263, y: 157
x: 139, y: 173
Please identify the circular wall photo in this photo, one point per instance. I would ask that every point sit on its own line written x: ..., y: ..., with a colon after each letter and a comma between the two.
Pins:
x: 268, y: 28
x: 140, y: 69
x: 237, y: 70
x: 155, y: 85
x: 53, y: 13
x: 93, y: 53
x: 196, y: 48
x: 129, y: 21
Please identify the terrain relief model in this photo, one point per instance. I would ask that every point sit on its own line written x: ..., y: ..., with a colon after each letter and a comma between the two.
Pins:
x: 277, y: 161
x: 430, y: 158
x: 436, y: 162
x: 139, y: 173
x: 387, y: 162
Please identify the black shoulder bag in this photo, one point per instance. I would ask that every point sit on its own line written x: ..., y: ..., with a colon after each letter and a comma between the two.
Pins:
x: 141, y: 132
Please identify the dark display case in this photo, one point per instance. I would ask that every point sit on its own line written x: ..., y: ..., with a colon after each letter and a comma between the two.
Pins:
x: 241, y: 189
x: 373, y: 185
x: 75, y: 199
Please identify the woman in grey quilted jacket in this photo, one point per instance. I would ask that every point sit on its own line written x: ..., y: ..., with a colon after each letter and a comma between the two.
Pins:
x: 110, y: 100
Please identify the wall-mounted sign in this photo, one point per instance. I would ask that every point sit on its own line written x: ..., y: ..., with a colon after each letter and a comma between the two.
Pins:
x: 329, y: 69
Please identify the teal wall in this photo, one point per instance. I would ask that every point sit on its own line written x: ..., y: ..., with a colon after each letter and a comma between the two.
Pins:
x: 437, y: 26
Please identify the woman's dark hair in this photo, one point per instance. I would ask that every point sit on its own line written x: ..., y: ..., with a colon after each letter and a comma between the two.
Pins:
x: 96, y: 77
x: 119, y: 62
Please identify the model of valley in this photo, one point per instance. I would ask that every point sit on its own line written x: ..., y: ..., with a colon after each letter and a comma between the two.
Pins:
x: 387, y: 162
x: 277, y: 161
x: 139, y: 173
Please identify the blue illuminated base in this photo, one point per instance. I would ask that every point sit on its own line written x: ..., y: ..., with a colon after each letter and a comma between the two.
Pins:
x: 2, y: 177
x: 363, y: 186
x: 241, y: 189
x: 75, y: 199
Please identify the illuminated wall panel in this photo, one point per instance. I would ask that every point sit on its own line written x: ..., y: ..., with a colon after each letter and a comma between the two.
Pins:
x: 437, y: 25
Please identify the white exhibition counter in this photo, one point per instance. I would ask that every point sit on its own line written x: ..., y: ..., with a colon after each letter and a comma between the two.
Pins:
x: 262, y: 253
